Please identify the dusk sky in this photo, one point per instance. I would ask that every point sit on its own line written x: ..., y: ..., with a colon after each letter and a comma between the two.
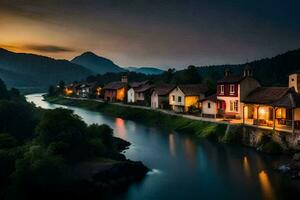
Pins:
x: 164, y: 33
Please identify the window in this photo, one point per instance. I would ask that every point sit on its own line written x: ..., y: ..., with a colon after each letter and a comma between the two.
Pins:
x: 236, y: 105
x: 208, y: 105
x: 221, y: 89
x: 179, y: 99
x: 231, y: 105
x: 231, y: 89
x: 173, y: 97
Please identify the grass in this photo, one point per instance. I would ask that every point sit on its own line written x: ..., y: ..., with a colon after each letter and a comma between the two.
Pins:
x: 196, y: 128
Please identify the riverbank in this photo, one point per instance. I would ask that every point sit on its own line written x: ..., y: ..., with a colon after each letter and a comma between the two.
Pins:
x: 263, y: 140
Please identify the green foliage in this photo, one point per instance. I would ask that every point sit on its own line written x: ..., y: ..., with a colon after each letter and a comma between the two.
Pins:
x: 3, y: 91
x: 68, y: 129
x: 233, y: 135
x: 7, y: 141
x: 38, y: 172
x: 17, y: 119
x: 51, y: 91
x: 14, y: 95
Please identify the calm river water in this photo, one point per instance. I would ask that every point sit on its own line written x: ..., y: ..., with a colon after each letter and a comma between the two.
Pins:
x: 187, y: 169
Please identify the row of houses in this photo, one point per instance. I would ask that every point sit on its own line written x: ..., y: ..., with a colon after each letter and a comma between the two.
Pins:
x: 236, y: 97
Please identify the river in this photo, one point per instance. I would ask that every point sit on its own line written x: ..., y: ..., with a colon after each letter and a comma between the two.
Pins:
x: 184, y: 168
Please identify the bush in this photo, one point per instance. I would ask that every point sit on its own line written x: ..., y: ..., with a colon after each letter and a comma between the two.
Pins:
x: 234, y: 135
x: 267, y: 145
x: 7, y: 141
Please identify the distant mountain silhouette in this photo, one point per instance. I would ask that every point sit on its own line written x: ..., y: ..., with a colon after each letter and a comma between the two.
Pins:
x: 269, y: 71
x: 97, y: 64
x: 146, y: 70
x: 29, y: 70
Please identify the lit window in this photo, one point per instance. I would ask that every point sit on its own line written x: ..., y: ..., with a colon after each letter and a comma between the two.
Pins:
x: 231, y: 89
x: 179, y: 99
x: 222, y: 89
x: 236, y: 105
x: 231, y: 105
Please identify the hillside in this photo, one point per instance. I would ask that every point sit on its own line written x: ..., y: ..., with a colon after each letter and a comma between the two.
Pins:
x: 97, y: 64
x: 269, y: 71
x: 146, y: 70
x: 29, y: 70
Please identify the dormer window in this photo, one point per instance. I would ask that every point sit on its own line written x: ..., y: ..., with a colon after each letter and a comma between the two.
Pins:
x: 221, y: 89
x: 231, y: 89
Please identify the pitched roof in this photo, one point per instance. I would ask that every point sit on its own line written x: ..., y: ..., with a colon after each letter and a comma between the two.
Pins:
x: 144, y: 88
x: 138, y: 84
x: 290, y: 100
x: 194, y: 89
x: 212, y: 98
x: 163, y: 89
x: 266, y: 95
x: 232, y: 79
x: 114, y: 85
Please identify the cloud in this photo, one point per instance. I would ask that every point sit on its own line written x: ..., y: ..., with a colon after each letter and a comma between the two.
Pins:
x: 48, y: 48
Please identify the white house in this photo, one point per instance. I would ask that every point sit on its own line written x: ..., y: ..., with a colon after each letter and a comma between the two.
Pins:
x: 131, y: 93
x: 160, y: 96
x: 210, y: 106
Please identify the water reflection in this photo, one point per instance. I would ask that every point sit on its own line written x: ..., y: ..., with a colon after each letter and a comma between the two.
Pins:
x: 172, y: 145
x: 190, y: 151
x: 266, y: 186
x: 120, y: 128
x: 246, y: 166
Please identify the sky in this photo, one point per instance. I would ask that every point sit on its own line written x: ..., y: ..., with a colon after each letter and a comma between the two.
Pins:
x: 163, y: 33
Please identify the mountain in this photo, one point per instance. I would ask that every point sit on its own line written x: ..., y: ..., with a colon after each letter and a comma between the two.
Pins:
x: 30, y: 70
x: 269, y: 71
x: 146, y: 70
x: 97, y: 64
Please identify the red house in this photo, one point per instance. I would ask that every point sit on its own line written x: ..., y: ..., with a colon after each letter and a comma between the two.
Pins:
x: 231, y: 89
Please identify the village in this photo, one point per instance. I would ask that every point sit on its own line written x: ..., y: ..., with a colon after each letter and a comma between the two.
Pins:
x: 237, y: 99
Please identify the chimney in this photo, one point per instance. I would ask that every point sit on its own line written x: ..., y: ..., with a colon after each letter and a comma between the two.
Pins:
x: 248, y: 71
x: 227, y: 72
x: 124, y: 79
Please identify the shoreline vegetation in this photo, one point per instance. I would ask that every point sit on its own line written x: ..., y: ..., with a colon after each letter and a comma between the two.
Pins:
x: 48, y: 154
x: 219, y: 132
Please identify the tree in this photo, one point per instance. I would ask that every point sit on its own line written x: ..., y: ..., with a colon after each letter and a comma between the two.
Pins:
x: 61, y: 86
x: 3, y: 91
x: 51, y: 91
x: 64, y: 127
x: 15, y: 95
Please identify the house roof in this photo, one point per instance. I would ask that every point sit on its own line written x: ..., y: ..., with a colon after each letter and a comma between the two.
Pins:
x: 194, y: 89
x: 212, y: 98
x: 266, y: 95
x: 232, y: 79
x: 163, y: 89
x: 138, y: 84
x: 290, y: 100
x: 114, y: 85
x: 144, y: 88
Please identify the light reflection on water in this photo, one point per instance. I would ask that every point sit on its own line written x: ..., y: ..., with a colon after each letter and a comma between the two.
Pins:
x: 266, y: 186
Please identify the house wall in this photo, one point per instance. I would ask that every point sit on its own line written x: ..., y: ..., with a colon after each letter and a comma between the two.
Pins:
x: 294, y: 81
x: 176, y: 93
x: 297, y: 114
x: 131, y: 95
x: 234, y: 98
x: 190, y: 101
x: 154, y: 100
x: 110, y: 95
x: 213, y: 110
x: 227, y: 90
x: 246, y: 86
x: 139, y: 96
x: 121, y: 94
